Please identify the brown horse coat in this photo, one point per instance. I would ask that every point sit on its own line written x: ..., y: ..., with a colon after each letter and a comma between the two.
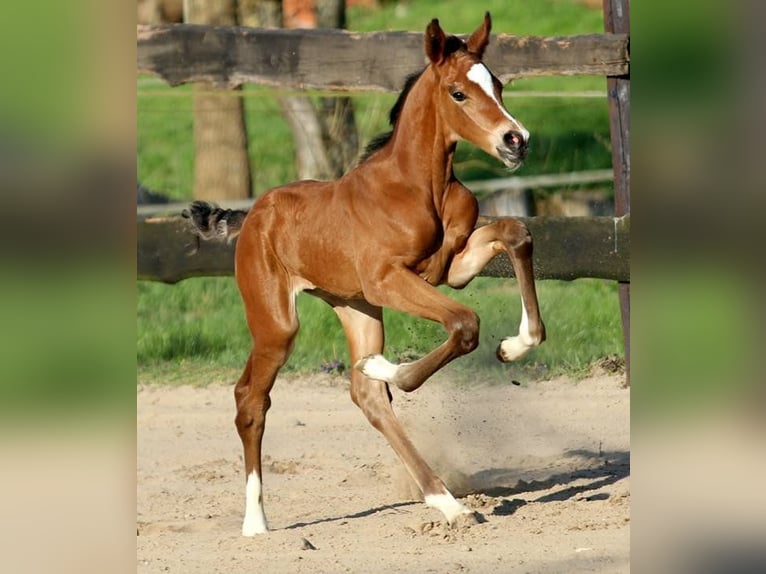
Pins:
x: 383, y: 235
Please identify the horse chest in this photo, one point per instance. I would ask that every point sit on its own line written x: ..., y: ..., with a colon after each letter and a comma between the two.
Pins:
x: 420, y: 236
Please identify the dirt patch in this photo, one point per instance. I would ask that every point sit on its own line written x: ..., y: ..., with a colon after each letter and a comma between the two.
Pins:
x: 547, y: 466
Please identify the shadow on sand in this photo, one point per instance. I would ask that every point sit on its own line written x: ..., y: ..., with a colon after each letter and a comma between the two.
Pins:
x: 598, y: 469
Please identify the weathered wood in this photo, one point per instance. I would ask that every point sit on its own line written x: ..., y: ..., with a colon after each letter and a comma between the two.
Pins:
x: 345, y: 61
x: 565, y: 248
x: 617, y: 20
x: 573, y: 248
x: 512, y: 57
x: 168, y: 251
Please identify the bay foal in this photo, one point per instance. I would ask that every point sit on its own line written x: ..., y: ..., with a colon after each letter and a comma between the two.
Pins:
x: 383, y: 235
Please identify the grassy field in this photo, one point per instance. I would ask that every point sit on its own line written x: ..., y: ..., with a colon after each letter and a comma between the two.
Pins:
x: 201, y: 321
x: 198, y: 323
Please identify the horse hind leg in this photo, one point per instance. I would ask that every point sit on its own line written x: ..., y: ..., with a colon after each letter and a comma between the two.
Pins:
x: 511, y: 236
x: 274, y: 324
x: 363, y: 326
x: 250, y: 421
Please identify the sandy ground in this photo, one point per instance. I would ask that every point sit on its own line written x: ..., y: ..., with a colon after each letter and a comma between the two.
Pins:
x: 546, y: 464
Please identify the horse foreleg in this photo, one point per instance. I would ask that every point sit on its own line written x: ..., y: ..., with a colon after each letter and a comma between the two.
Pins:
x: 511, y: 236
x: 363, y: 326
x: 399, y: 288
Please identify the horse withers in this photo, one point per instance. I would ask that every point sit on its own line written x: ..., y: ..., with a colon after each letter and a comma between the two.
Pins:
x: 384, y: 235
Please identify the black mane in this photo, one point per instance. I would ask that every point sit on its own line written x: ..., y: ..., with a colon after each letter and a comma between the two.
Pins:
x: 393, y: 116
x: 453, y: 44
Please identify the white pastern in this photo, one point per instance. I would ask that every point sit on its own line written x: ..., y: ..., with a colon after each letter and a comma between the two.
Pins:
x: 379, y: 368
x: 524, y: 327
x: 255, y: 519
x: 479, y: 74
x: 447, y: 505
x: 512, y: 348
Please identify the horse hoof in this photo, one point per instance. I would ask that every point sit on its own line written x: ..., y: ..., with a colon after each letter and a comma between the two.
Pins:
x: 250, y: 531
x: 511, y: 348
x: 466, y: 520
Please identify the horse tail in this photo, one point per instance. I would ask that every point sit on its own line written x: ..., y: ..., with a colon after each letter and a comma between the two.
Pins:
x: 212, y: 222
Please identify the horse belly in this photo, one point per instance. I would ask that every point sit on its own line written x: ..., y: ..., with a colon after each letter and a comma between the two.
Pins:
x: 330, y: 269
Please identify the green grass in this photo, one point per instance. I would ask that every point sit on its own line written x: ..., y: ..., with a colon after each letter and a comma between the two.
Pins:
x: 201, y: 321
x: 542, y: 17
x: 568, y: 134
x: 198, y: 326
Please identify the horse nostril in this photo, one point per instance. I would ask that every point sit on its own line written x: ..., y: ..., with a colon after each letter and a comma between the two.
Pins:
x: 513, y: 140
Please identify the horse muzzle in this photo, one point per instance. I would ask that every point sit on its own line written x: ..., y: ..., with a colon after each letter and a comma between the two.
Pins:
x: 513, y: 151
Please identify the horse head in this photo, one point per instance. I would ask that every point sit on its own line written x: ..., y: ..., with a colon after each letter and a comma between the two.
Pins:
x: 469, y: 96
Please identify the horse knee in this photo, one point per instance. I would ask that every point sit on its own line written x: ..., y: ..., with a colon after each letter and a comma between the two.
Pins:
x: 464, y: 328
x: 518, y: 237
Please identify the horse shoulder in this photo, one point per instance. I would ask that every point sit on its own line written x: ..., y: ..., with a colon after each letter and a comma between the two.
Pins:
x: 460, y: 211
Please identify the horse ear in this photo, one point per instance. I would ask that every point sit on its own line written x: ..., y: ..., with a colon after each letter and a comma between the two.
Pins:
x: 435, y: 42
x: 479, y: 40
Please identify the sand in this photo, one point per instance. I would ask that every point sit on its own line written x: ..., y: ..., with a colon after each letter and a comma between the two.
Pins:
x: 546, y: 464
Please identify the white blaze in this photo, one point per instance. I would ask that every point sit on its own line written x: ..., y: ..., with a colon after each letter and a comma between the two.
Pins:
x: 479, y: 74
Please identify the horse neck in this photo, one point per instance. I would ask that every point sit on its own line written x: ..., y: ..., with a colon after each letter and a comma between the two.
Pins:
x: 419, y: 143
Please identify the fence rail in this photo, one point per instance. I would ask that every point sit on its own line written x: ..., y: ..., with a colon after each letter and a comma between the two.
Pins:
x: 544, y: 180
x: 564, y: 248
x: 348, y: 61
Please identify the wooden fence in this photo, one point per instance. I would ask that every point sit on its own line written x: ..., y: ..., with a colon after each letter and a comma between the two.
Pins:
x: 565, y: 248
x: 345, y: 61
x: 617, y: 21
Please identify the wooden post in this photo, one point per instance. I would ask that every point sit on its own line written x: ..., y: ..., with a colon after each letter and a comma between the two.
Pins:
x: 617, y: 21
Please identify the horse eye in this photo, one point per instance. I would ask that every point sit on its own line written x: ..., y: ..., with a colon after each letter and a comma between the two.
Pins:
x: 458, y: 96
